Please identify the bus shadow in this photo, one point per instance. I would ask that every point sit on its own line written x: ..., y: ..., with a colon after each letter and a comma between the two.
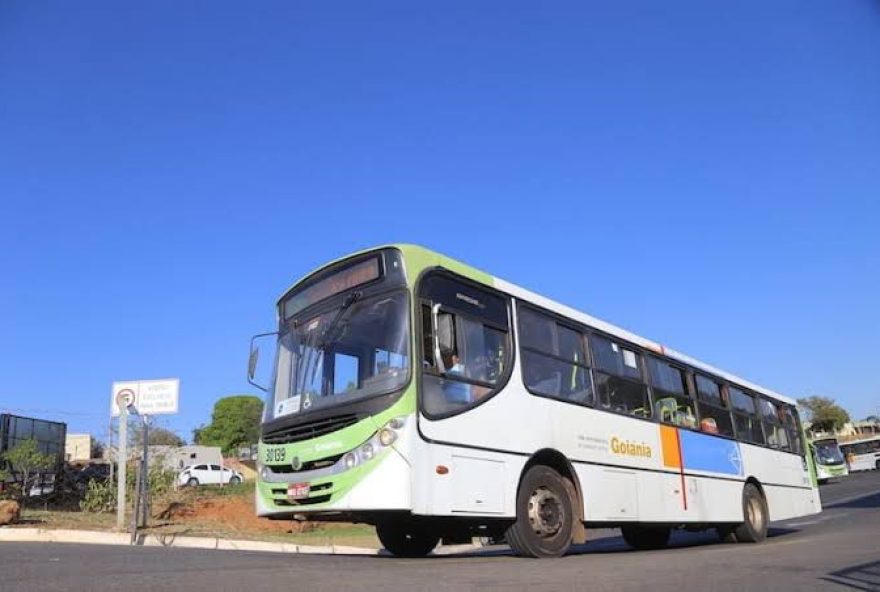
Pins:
x: 607, y: 545
x: 679, y: 540
x: 858, y: 577
x: 871, y: 500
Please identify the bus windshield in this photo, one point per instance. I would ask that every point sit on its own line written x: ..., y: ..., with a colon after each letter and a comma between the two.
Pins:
x: 828, y: 452
x: 350, y: 352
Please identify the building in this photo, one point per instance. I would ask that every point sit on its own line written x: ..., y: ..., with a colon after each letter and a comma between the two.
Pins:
x: 850, y: 431
x: 49, y: 436
x: 174, y: 458
x: 78, y: 448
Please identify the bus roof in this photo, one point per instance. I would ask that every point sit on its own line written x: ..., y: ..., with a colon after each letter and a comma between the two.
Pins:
x: 567, y: 311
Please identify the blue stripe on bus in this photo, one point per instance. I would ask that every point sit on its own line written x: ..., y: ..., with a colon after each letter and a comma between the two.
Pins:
x: 702, y: 452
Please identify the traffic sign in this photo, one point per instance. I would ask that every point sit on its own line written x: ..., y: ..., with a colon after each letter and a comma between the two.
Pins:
x: 146, y: 397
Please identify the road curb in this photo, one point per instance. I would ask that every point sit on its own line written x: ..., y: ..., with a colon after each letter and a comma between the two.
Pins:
x: 93, y: 537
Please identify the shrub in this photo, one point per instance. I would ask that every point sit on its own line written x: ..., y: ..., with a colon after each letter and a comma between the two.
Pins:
x: 100, y: 496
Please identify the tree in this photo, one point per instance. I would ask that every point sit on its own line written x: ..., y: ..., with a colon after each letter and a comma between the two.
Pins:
x: 235, y: 422
x: 824, y: 413
x: 873, y: 419
x: 158, y: 437
x: 25, y: 464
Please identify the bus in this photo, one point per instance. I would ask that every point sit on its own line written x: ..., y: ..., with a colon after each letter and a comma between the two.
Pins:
x: 862, y: 455
x: 829, y: 459
x: 438, y: 403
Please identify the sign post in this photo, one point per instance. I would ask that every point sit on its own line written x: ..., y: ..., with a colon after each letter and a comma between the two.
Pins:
x: 123, y: 398
x: 145, y: 398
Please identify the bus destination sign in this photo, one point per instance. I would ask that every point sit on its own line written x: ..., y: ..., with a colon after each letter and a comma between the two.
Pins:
x: 345, y: 279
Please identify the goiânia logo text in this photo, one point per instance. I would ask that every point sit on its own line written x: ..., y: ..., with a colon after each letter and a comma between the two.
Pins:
x: 630, y: 448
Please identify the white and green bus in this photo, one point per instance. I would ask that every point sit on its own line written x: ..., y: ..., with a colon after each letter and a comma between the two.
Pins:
x: 437, y: 402
x: 862, y: 455
x: 829, y: 459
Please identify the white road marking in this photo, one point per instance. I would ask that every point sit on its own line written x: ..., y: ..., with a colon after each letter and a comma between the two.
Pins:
x: 816, y: 521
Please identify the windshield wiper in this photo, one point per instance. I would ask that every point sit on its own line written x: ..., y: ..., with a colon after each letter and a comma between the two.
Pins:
x: 316, y: 347
x: 331, y: 333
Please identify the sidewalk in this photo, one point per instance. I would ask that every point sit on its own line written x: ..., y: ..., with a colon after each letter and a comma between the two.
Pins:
x: 93, y: 537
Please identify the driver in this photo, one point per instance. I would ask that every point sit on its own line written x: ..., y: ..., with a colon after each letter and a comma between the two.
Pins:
x: 453, y: 390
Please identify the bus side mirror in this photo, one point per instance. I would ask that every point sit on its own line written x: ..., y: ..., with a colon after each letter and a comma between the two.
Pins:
x: 252, y: 362
x: 253, y: 359
x: 443, y: 325
x: 445, y: 332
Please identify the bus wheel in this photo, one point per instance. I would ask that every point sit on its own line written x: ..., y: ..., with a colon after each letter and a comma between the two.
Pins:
x: 646, y: 537
x: 754, y: 528
x: 407, y: 538
x: 544, y: 515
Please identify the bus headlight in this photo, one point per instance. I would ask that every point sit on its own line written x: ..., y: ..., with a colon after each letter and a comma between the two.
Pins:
x: 264, y: 472
x: 367, y: 451
x: 387, y: 436
x: 350, y: 460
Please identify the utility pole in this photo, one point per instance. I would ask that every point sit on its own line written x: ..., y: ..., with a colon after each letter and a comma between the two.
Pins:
x: 145, y: 483
x: 121, y: 457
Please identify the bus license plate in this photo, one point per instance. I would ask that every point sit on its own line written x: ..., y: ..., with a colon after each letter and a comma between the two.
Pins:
x: 296, y: 491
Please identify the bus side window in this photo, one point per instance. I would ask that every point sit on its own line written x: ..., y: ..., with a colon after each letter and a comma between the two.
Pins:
x: 745, y: 416
x: 473, y: 339
x: 619, y: 382
x: 554, y: 360
x: 776, y: 434
x: 712, y: 405
x: 672, y: 401
x: 789, y: 421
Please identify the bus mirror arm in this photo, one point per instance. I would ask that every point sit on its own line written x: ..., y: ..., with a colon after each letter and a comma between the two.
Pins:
x: 253, y: 358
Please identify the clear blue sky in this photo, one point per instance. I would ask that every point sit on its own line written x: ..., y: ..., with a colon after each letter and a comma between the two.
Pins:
x: 705, y: 174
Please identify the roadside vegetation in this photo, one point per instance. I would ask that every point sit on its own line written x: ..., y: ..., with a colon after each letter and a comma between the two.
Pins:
x: 209, y: 510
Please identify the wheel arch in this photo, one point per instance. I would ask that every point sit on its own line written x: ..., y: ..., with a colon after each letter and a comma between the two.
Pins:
x: 557, y: 461
x: 754, y: 481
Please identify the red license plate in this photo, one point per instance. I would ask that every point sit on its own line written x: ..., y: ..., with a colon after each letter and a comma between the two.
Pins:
x: 298, y: 491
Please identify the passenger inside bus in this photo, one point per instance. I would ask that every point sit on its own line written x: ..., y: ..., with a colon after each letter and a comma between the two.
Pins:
x: 708, y: 424
x: 453, y: 390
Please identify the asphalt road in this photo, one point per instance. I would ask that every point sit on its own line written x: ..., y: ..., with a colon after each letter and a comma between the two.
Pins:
x: 838, y: 549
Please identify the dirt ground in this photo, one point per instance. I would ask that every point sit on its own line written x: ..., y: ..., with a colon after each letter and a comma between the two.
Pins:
x: 233, y: 512
x: 226, y: 512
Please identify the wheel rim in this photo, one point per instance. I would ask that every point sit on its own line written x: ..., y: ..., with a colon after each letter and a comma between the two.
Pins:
x: 546, y: 514
x: 756, y: 513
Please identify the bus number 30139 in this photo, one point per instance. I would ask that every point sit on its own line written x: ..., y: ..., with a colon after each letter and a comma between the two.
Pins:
x: 274, y: 455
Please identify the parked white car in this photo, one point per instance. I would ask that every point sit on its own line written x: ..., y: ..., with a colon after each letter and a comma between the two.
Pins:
x: 208, y: 475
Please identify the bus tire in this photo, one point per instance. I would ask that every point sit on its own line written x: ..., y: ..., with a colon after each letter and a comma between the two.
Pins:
x: 646, y: 538
x: 754, y: 528
x: 407, y: 538
x: 544, y: 515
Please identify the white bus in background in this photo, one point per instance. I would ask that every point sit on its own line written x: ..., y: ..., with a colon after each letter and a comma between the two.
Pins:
x: 830, y: 462
x: 862, y: 455
x: 438, y: 402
